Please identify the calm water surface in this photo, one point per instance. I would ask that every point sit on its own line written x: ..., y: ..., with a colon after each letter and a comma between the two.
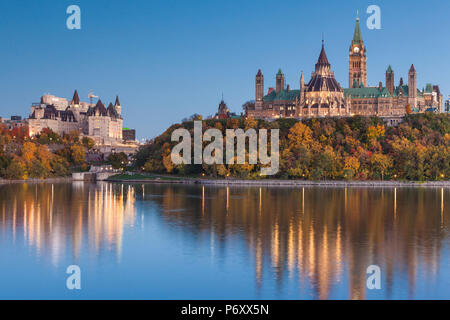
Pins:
x: 193, y: 242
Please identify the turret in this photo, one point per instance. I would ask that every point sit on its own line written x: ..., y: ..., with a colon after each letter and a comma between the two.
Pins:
x: 259, y: 93
x: 390, y: 80
x: 280, y: 81
x: 75, y: 99
x: 412, y: 86
x: 302, y: 87
x: 117, y: 106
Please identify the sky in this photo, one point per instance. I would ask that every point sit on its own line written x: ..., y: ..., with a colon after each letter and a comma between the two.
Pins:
x: 169, y: 59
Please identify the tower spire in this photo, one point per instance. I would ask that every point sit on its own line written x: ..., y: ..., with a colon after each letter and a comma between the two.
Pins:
x: 358, y: 59
x: 323, y: 60
x: 76, y: 98
x: 357, y: 38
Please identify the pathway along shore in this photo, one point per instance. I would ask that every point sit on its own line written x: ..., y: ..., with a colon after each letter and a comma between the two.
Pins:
x: 288, y: 183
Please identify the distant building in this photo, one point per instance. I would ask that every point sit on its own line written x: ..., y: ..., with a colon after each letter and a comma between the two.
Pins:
x: 447, y: 105
x: 224, y: 112
x: 14, y: 122
x: 324, y: 96
x: 103, y: 125
x: 129, y: 134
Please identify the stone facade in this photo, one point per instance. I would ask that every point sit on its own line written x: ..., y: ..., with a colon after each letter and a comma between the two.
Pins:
x: 103, y: 125
x: 323, y: 95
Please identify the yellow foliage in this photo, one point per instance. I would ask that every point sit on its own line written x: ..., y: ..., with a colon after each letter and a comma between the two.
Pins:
x: 351, y: 163
x: 168, y: 164
x: 251, y: 124
x: 28, y: 152
x: 376, y: 132
x: 299, y: 135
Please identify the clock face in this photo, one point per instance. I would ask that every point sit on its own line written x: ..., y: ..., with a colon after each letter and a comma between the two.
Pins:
x: 356, y: 50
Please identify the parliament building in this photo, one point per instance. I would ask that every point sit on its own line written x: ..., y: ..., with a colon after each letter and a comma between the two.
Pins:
x: 324, y: 96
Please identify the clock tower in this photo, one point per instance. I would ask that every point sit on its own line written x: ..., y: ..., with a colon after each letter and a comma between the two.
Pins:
x: 358, y: 60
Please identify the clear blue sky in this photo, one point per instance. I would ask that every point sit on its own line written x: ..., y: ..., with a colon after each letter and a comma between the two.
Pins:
x: 169, y: 59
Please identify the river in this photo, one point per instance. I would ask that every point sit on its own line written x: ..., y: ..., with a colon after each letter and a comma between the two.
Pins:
x: 134, y: 241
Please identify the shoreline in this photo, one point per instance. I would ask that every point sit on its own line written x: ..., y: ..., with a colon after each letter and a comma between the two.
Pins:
x: 35, y: 181
x: 288, y: 183
x: 249, y: 183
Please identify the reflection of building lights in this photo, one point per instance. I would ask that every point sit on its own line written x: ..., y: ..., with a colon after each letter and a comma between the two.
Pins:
x: 442, y: 206
x: 100, y: 221
x: 228, y: 198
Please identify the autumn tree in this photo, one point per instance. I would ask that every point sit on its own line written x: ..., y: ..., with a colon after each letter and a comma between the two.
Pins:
x: 408, y: 109
x: 381, y: 164
x: 77, y: 154
x: 351, y: 166
x: 16, y: 170
x: 29, y: 153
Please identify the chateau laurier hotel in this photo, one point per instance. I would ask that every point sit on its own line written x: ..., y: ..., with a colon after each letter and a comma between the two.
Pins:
x: 104, y: 125
x: 324, y: 96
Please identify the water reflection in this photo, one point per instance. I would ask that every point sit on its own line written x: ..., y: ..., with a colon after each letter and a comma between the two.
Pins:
x: 54, y: 218
x: 323, y: 236
x: 321, y: 239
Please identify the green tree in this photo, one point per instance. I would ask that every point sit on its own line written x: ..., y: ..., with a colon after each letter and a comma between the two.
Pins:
x: 88, y: 143
x: 60, y: 167
x: 118, y: 160
x: 16, y: 170
x: 39, y: 170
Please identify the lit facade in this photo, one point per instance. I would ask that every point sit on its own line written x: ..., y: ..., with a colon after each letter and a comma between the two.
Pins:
x: 103, y: 125
x: 324, y: 96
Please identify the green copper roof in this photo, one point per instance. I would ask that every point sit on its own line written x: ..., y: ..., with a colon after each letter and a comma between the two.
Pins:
x: 284, y: 95
x: 403, y: 88
x: 374, y: 92
x: 357, y: 38
x: 389, y: 69
x: 367, y: 92
x: 429, y: 88
x: 271, y: 96
x: 280, y: 73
